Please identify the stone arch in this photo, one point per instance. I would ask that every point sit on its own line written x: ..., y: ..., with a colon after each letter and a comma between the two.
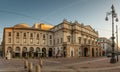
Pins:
x: 17, y: 49
x: 50, y: 52
x: 31, y: 49
x: 37, y: 49
x: 9, y: 49
x: 24, y: 52
x: 31, y: 52
x: 38, y: 52
x: 24, y: 49
x: 17, y: 52
x: 43, y: 52
x: 9, y: 52
x: 64, y: 51
x: 85, y: 52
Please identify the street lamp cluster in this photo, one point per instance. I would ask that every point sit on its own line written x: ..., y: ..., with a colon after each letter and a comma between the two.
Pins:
x: 114, y: 17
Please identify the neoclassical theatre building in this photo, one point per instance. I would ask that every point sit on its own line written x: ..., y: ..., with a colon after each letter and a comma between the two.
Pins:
x: 42, y: 40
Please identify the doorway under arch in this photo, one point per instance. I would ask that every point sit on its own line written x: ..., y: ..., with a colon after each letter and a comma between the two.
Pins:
x: 93, y: 52
x: 72, y: 53
x: 17, y: 52
x: 38, y: 54
x: 50, y: 52
x: 31, y: 52
x: 85, y: 52
x: 43, y: 52
x: 64, y: 51
x: 10, y: 52
x: 24, y: 52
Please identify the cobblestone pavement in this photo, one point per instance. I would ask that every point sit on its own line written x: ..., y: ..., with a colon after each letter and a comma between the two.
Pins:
x: 98, y: 64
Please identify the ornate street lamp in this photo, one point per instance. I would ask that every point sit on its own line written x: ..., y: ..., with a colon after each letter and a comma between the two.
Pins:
x: 114, y: 17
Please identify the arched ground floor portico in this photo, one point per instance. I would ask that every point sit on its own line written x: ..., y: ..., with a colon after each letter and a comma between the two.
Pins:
x: 50, y: 52
x: 61, y: 51
x: 92, y: 51
x: 86, y: 52
x: 83, y: 51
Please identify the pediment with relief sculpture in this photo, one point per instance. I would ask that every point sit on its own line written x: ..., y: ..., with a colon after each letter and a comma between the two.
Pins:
x: 89, y: 28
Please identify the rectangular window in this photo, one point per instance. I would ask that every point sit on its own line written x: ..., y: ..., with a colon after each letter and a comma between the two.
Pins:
x: 37, y: 35
x: 43, y: 41
x: 17, y: 34
x: 9, y: 33
x: 37, y: 41
x: 31, y: 35
x: 50, y: 36
x: 79, y: 40
x: 54, y: 41
x: 17, y: 40
x: 84, y: 41
x: 24, y: 40
x: 24, y: 35
x: 9, y: 40
x: 31, y: 41
x: 88, y: 41
x: 68, y: 38
x: 43, y: 36
x: 50, y: 42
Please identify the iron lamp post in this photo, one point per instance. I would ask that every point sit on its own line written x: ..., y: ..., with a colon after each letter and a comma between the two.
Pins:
x: 114, y: 17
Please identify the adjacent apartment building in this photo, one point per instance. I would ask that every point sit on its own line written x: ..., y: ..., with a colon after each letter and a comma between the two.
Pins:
x: 42, y: 40
x: 106, y: 45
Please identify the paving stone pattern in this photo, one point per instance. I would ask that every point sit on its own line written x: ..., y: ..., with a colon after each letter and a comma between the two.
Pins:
x: 98, y: 64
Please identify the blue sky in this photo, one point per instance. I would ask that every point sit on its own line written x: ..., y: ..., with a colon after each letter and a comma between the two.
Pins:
x: 89, y: 12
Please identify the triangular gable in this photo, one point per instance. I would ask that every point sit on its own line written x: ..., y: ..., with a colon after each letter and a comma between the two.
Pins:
x: 89, y: 27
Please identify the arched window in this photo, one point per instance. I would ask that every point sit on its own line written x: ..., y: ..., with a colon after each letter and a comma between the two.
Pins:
x: 9, y: 49
x: 37, y: 49
x: 31, y: 49
x: 24, y: 49
x: 17, y: 49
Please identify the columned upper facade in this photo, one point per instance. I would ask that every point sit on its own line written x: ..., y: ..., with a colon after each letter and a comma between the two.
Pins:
x: 63, y: 40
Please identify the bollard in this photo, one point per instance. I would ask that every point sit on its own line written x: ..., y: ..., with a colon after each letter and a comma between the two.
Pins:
x: 26, y: 64
x: 40, y: 62
x: 38, y: 68
x: 30, y: 69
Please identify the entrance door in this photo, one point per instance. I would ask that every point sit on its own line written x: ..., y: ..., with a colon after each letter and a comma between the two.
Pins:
x: 92, y: 52
x: 72, y: 54
x: 64, y: 51
x: 85, y: 52
x: 50, y: 52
